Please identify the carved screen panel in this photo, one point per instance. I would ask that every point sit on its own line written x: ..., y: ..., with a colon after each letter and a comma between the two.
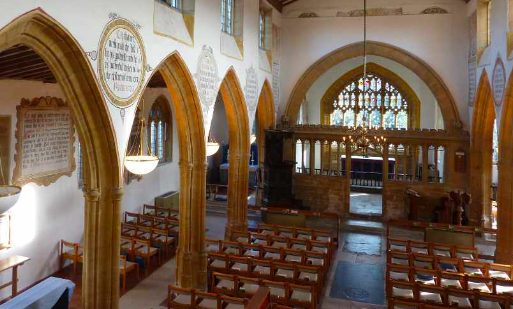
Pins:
x: 45, y: 139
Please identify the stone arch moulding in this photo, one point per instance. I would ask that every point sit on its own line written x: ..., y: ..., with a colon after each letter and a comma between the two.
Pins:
x: 480, y: 154
x: 265, y: 118
x: 504, y: 251
x: 102, y: 178
x: 238, y: 171
x: 191, y: 262
x: 445, y: 100
x: 332, y: 93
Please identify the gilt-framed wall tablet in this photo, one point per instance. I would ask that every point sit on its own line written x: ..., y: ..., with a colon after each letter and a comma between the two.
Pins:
x: 5, y: 149
x: 45, y: 139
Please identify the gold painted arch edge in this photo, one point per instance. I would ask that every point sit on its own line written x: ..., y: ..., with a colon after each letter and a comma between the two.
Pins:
x: 46, y: 178
x: 109, y: 28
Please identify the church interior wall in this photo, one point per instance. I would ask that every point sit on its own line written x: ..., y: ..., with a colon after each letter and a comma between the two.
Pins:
x: 440, y: 40
x: 428, y: 103
x: 43, y: 215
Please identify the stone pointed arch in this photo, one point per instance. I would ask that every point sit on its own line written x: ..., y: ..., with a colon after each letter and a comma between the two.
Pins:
x: 504, y: 251
x: 102, y: 179
x: 435, y: 83
x: 481, y: 153
x: 191, y: 262
x: 238, y: 172
x: 265, y: 118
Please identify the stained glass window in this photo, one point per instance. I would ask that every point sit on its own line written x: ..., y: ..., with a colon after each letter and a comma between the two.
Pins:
x: 378, y: 104
x: 159, y: 121
x: 177, y: 4
x: 261, y: 37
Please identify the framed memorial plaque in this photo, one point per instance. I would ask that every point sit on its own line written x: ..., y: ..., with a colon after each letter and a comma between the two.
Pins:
x: 121, y: 62
x: 45, y: 139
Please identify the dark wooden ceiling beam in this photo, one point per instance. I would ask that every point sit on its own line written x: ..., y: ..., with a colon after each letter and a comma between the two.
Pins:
x: 285, y: 3
x: 277, y: 4
x: 24, y: 68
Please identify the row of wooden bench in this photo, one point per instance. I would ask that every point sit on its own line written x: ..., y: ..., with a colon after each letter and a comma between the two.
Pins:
x: 151, y: 221
x: 468, y: 267
x: 295, y: 232
x: 303, y: 257
x: 448, y: 297
x: 265, y: 269
x: 284, y: 293
x: 498, y: 283
x: 434, y: 249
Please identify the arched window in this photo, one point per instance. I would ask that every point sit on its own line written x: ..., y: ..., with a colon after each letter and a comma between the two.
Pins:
x: 378, y: 104
x: 159, y: 130
x: 227, y: 12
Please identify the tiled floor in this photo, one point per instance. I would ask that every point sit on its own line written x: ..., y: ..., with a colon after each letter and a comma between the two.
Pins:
x: 369, y: 204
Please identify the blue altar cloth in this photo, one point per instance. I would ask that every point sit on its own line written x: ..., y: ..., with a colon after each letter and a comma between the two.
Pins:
x: 43, y: 295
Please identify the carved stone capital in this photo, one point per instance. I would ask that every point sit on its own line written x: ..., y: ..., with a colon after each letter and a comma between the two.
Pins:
x: 117, y: 194
x: 91, y: 195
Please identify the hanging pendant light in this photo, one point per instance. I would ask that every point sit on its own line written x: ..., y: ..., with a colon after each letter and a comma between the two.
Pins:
x: 252, y: 139
x: 9, y: 194
x: 212, y: 146
x: 141, y: 164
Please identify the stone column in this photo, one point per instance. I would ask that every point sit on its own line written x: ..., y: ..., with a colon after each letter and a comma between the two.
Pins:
x: 191, y: 259
x: 238, y: 178
x: 504, y: 250
x: 100, y: 278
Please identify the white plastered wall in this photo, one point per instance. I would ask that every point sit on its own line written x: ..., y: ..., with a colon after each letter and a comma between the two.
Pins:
x: 440, y: 40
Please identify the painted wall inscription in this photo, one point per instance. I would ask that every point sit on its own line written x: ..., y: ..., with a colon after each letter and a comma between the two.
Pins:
x: 45, y: 141
x: 122, y: 62
x: 472, y: 80
x: 207, y: 77
x: 251, y: 89
x: 498, y: 81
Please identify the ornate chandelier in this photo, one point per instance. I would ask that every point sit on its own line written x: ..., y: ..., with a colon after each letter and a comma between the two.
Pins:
x: 141, y: 164
x: 362, y: 141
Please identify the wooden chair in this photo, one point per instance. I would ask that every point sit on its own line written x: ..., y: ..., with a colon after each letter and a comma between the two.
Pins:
x: 466, y: 253
x: 250, y: 250
x: 316, y: 259
x: 425, y: 276
x: 442, y: 250
x: 474, y: 268
x: 143, y: 233
x: 126, y: 267
x: 261, y: 269
x: 311, y: 276
x: 161, y: 239
x: 260, y: 239
x: 503, y: 287
x: 292, y: 256
x: 449, y: 265
x: 278, y: 291
x: 239, y: 265
x: 398, y: 273
x: 399, y: 258
x: 460, y: 299
x: 230, y: 247
x: 147, y: 221
x: 224, y: 284
x: 423, y: 261
x: 278, y: 242
x: 303, y: 233
x: 399, y: 304
x: 500, y: 271
x: 248, y: 286
x: 127, y: 246
x: 180, y: 298
x: 399, y: 290
x: 266, y: 229
x: 479, y: 284
x: 128, y: 230
x: 144, y: 250
x: 271, y: 253
x: 452, y: 280
x: 228, y: 302
x: 285, y: 231
x: 205, y: 300
x: 241, y: 237
x: 284, y: 272
x: 131, y: 218
x: 298, y: 244
x: 218, y: 262
x: 302, y: 296
x: 398, y: 245
x: 71, y: 251
x: 323, y: 235
x: 419, y: 247
x: 492, y: 301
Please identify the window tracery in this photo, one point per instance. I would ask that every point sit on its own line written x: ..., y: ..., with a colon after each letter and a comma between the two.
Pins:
x: 377, y: 104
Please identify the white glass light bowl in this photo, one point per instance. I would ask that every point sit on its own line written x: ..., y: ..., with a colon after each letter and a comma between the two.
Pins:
x: 252, y: 138
x: 9, y: 195
x: 212, y: 148
x: 141, y: 165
